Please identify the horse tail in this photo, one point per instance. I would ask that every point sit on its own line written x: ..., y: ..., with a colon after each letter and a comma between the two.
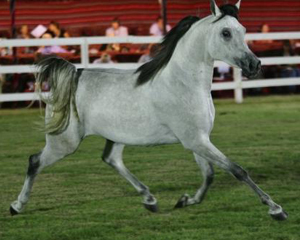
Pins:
x: 61, y: 77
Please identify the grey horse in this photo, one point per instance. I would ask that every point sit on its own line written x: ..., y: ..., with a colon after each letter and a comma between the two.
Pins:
x: 167, y: 100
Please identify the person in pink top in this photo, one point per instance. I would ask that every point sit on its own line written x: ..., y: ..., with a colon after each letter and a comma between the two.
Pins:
x: 116, y: 30
x: 156, y: 28
x: 45, y: 50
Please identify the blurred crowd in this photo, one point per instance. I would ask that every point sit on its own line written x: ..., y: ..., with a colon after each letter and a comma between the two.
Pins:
x: 112, y: 53
x: 102, y: 53
x: 54, y: 30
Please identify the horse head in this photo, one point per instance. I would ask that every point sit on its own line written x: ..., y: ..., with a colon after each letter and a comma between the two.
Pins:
x: 226, y: 41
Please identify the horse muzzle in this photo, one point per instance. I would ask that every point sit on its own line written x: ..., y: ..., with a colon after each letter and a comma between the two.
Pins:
x: 250, y: 65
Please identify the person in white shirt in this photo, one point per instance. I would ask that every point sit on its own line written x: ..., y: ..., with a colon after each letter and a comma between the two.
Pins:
x: 156, y: 28
x: 116, y: 30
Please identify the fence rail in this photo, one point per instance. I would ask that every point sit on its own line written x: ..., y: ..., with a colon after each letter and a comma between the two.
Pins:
x: 237, y: 85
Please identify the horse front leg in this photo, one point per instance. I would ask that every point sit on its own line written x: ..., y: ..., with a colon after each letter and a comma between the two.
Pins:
x: 112, y: 155
x: 208, y: 176
x: 208, y: 151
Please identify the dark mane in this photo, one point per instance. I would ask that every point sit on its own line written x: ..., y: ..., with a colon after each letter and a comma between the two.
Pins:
x: 166, y: 48
x: 229, y: 10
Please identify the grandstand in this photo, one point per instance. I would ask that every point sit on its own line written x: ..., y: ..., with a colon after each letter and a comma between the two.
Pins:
x: 90, y: 18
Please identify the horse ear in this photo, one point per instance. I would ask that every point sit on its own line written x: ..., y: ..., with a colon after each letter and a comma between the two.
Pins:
x: 214, y: 8
x: 238, y: 4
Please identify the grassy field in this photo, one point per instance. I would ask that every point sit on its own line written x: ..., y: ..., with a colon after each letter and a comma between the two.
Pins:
x: 80, y: 197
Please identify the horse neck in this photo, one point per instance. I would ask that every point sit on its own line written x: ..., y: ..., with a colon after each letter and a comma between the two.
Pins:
x: 191, y: 64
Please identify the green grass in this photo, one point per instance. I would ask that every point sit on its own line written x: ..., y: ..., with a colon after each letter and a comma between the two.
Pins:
x: 80, y: 197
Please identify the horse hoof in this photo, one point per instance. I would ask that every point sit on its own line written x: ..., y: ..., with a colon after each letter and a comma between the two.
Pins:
x: 13, y: 211
x: 151, y: 207
x: 281, y: 216
x: 182, y: 202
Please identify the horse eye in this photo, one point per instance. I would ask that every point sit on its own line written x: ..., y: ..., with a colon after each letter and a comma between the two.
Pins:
x: 226, y: 34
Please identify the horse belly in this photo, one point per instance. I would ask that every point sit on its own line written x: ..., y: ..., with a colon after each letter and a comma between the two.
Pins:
x: 130, y: 123
x: 132, y: 133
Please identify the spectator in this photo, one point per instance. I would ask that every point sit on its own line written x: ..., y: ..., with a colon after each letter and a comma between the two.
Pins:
x: 295, y: 46
x: 57, y: 32
x: 45, y: 50
x: 288, y: 49
x: 4, y: 50
x: 224, y: 72
x: 149, y: 56
x: 105, y: 58
x: 116, y: 30
x: 289, y: 71
x: 265, y: 28
x: 24, y: 32
x: 156, y: 28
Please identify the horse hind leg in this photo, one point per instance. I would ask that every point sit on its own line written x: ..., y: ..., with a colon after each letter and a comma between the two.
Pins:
x: 33, y: 167
x: 208, y: 175
x: 57, y: 147
x: 112, y: 155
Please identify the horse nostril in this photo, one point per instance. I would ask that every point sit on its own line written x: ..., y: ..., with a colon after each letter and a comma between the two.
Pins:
x: 254, y: 66
x: 251, y: 67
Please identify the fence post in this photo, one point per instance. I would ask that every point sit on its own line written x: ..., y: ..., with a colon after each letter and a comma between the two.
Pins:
x: 238, y: 90
x: 84, y: 47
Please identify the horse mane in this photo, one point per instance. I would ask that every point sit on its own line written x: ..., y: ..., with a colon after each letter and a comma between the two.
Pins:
x: 166, y: 48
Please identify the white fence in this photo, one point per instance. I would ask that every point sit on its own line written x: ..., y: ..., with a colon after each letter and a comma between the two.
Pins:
x: 237, y: 85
